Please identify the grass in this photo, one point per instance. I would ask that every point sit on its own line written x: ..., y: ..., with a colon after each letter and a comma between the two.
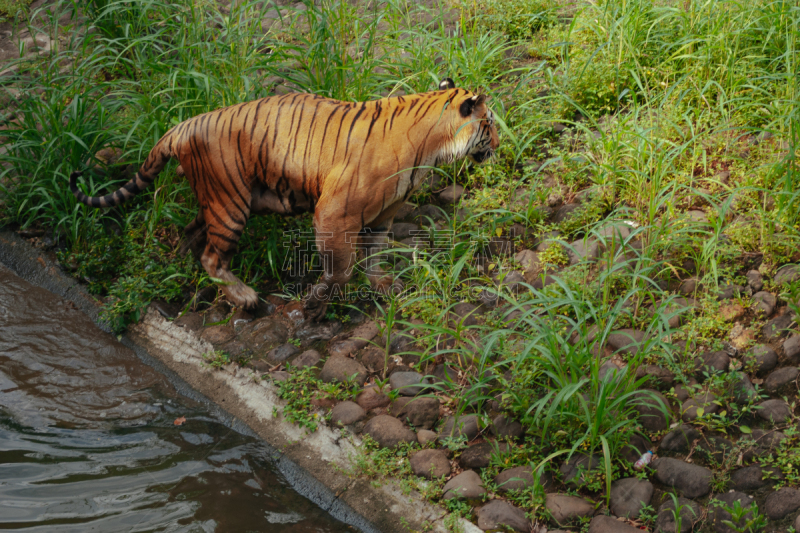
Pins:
x: 681, y: 122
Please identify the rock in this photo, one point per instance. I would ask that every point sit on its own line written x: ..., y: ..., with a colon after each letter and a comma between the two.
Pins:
x: 787, y: 274
x: 279, y: 376
x: 688, y: 287
x: 324, y: 331
x: 346, y: 413
x: 791, y: 349
x: 505, y: 427
x: 425, y: 213
x: 607, y: 524
x: 706, y: 401
x: 263, y: 334
x: 743, y: 390
x: 417, y: 412
x: 430, y: 464
x: 711, y: 363
x: 731, y: 312
x: 408, y: 383
x: 763, y: 358
x: 778, y: 327
x: 692, y: 480
x: 755, y: 281
x: 774, y: 411
x: 467, y: 313
x: 637, y: 445
x: 629, y: 496
x: 765, y: 302
x: 190, y: 321
x: 464, y: 425
x: 465, y: 486
x: 715, y: 448
x: 343, y: 369
x: 479, y: 455
x: 582, y: 250
x: 728, y: 291
x: 516, y: 478
x: 564, y: 508
x: 627, y: 341
x: 371, y: 398
x: 651, y: 406
x: 797, y: 523
x: 753, y: 477
x: 572, y: 470
x: 764, y: 443
x: 445, y: 375
x: 404, y: 230
x: 282, y: 353
x: 531, y: 265
x: 564, y: 212
x: 546, y: 240
x: 451, y: 194
x: 425, y: 436
x: 354, y: 341
x: 677, y: 309
x: 679, y: 440
x: 781, y: 503
x: 781, y: 380
x: 388, y: 431
x: 217, y: 335
x: 690, y: 513
x: 501, y: 515
x: 307, y: 358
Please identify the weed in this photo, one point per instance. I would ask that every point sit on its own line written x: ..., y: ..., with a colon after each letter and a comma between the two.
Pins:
x: 216, y: 359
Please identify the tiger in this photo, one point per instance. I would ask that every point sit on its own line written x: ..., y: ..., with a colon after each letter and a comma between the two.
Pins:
x: 352, y: 164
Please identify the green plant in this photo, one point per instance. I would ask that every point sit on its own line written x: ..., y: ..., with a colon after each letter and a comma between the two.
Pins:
x: 216, y: 359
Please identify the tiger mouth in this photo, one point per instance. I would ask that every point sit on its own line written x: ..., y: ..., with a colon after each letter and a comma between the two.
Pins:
x: 480, y: 157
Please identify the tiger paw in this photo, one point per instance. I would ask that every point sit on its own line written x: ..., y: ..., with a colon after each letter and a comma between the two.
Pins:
x: 241, y: 295
x: 314, y: 308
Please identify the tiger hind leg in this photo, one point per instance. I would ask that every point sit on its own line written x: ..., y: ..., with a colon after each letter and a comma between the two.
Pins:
x: 194, y: 237
x: 216, y: 260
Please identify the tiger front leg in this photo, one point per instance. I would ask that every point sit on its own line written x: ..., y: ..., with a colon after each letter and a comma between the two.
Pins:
x: 375, y: 241
x: 338, y: 252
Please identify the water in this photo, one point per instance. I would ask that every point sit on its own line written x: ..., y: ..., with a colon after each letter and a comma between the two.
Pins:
x: 88, y: 440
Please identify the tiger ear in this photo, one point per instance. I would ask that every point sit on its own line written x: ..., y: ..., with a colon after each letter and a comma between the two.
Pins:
x: 468, y: 106
x: 446, y: 84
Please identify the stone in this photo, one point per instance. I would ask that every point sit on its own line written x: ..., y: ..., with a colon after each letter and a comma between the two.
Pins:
x: 325, y: 331
x: 282, y: 353
x: 651, y: 406
x: 404, y: 230
x: 627, y: 341
x: 692, y: 480
x: 564, y: 508
x: 607, y: 524
x: 516, y: 478
x: 774, y: 411
x: 465, y: 486
x: 743, y: 390
x: 711, y: 363
x: 307, y: 358
x: 762, y: 357
x: 731, y: 312
x: 343, y: 369
x: 501, y: 515
x: 797, y: 523
x: 715, y: 448
x: 690, y: 513
x: 765, y: 302
x: 787, y: 274
x: 582, y: 250
x: 217, y: 335
x: 426, y: 436
x: 408, y: 383
x: 430, y: 464
x: 706, y: 401
x: 778, y: 327
x: 347, y: 413
x: 753, y: 477
x: 505, y: 427
x: 564, y: 212
x: 417, y: 412
x: 629, y: 496
x: 572, y: 470
x: 688, y: 287
x: 279, y: 375
x: 371, y: 398
x: 679, y: 440
x: 728, y: 291
x: 451, y: 194
x: 637, y: 445
x: 480, y: 455
x: 466, y: 313
x: 764, y: 442
x: 263, y: 334
x: 353, y: 341
x: 791, y: 349
x: 546, y: 240
x: 464, y: 425
x: 388, y: 431
x: 781, y: 380
x: 531, y: 265
x: 677, y: 310
x: 755, y: 281
x: 781, y: 503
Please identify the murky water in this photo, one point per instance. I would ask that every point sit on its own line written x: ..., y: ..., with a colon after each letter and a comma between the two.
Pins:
x: 88, y: 440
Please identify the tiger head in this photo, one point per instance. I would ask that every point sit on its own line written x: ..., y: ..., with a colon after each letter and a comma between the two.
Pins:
x: 474, y: 132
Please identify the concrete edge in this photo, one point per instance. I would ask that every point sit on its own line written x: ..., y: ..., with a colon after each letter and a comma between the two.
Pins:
x: 316, y: 465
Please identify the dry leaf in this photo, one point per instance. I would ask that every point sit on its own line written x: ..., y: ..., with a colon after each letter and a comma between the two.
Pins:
x: 180, y: 421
